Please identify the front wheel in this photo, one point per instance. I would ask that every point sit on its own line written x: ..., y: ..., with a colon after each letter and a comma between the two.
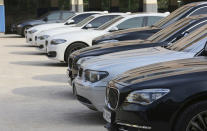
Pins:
x: 72, y: 48
x: 194, y: 118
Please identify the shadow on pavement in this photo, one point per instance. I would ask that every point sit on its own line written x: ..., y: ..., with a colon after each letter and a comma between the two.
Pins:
x: 28, y: 53
x: 84, y: 117
x: 60, y: 78
x: 10, y: 36
x: 59, y: 92
x: 20, y: 46
x: 39, y: 63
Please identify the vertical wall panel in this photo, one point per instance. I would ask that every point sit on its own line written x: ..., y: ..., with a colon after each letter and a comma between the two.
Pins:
x: 2, y: 18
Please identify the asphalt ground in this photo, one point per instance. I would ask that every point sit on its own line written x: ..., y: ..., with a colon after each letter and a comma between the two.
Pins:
x: 35, y: 95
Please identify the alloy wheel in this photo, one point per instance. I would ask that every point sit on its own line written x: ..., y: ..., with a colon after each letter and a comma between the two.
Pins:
x: 198, y: 123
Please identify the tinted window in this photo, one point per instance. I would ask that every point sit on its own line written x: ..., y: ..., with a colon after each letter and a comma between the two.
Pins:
x: 202, y: 10
x: 81, y: 17
x: 131, y: 23
x: 85, y: 21
x: 194, y: 42
x: 54, y: 16
x: 153, y: 19
x: 101, y: 20
x: 67, y: 15
x: 110, y: 23
x: 167, y: 32
x: 174, y: 16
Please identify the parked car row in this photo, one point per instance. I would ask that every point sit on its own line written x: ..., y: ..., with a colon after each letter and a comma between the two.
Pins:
x: 144, y: 71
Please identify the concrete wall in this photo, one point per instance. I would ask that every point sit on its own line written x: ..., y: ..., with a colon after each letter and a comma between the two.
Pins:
x: 77, y: 5
x: 2, y: 17
x: 1, y: 2
x: 150, y: 6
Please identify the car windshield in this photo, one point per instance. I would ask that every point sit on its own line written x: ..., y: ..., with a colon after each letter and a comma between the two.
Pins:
x: 110, y: 23
x: 172, y: 17
x: 194, y: 42
x: 85, y: 21
x: 165, y: 33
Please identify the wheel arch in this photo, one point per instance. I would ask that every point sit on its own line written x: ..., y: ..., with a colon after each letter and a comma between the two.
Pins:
x: 188, y: 103
x: 71, y: 45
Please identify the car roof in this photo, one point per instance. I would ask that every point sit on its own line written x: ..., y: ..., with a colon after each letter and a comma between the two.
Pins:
x: 61, y: 11
x: 121, y: 14
x: 148, y: 14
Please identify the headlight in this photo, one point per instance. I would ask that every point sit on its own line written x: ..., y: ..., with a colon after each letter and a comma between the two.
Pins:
x: 32, y: 31
x: 147, y: 96
x: 43, y: 37
x: 94, y: 76
x: 108, y: 41
x: 58, y: 41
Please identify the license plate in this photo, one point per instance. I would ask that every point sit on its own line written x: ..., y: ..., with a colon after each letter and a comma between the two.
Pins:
x: 107, y: 115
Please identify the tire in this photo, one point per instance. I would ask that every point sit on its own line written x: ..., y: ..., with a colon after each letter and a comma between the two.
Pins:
x: 191, y: 116
x: 72, y: 48
x: 24, y: 29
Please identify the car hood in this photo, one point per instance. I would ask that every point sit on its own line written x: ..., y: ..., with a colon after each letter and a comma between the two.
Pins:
x: 162, y: 70
x: 85, y: 34
x: 58, y: 30
x: 117, y: 63
x: 47, y: 26
x: 122, y: 32
x: 108, y: 45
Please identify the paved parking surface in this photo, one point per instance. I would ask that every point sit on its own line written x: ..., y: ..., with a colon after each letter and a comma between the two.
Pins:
x: 34, y: 94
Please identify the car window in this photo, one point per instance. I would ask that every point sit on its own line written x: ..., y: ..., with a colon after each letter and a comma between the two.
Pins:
x: 186, y: 32
x: 153, y: 19
x: 67, y: 15
x: 54, y: 16
x: 110, y: 23
x: 85, y: 21
x: 202, y: 10
x: 131, y: 23
x: 101, y: 20
x: 174, y: 16
x: 194, y: 42
x: 81, y: 17
x: 167, y: 32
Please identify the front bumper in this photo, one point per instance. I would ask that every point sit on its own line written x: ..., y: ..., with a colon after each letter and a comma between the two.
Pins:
x: 30, y: 39
x: 56, y: 52
x: 94, y: 94
x: 69, y: 75
x: 135, y: 117
x: 41, y: 45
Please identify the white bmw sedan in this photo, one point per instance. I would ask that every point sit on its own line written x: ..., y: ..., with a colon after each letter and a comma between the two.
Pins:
x: 91, y: 22
x: 31, y: 32
x: 95, y: 73
x: 61, y: 46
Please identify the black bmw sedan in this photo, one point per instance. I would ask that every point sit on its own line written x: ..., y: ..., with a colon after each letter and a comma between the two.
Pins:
x: 166, y: 36
x: 170, y: 96
x: 191, y: 9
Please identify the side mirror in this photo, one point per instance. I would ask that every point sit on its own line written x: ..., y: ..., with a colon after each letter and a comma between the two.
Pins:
x: 89, y: 26
x: 113, y: 29
x: 70, y: 22
x: 45, y: 19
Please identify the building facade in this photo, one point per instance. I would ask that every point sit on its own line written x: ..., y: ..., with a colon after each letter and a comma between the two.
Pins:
x: 16, y: 10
